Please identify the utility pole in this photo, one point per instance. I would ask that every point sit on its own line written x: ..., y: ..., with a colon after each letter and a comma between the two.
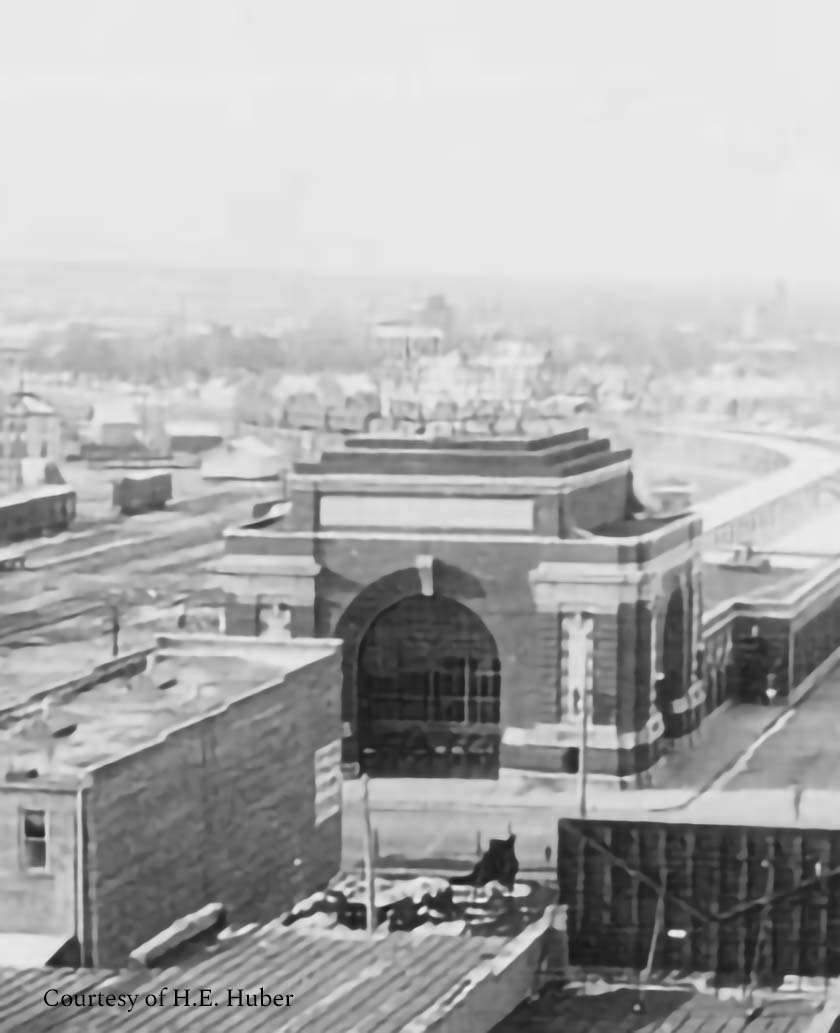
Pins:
x: 583, y: 758
x: 581, y: 674
x: 115, y: 630
x: 258, y: 608
x: 370, y: 860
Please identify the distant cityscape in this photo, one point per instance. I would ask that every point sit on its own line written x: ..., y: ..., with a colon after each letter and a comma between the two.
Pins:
x: 316, y: 618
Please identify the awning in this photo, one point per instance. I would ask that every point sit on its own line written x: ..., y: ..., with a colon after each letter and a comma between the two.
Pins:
x: 30, y: 950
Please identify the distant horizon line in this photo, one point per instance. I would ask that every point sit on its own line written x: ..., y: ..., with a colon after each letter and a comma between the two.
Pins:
x: 588, y: 279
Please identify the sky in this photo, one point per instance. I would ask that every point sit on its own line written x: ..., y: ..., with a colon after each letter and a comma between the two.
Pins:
x: 549, y: 138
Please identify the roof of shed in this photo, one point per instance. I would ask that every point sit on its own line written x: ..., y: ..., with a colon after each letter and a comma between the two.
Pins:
x: 341, y: 984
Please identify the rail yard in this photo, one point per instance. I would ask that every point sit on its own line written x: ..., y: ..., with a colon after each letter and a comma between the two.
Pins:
x: 137, y: 567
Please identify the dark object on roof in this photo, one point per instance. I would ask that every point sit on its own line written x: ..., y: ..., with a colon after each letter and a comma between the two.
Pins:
x: 499, y: 864
x: 52, y: 474
x: 264, y: 508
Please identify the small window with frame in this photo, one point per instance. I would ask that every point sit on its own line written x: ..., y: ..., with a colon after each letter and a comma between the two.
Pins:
x: 34, y: 840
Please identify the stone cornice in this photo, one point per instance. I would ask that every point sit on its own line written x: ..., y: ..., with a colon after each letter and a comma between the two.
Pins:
x: 422, y: 484
x: 567, y: 734
x: 602, y: 586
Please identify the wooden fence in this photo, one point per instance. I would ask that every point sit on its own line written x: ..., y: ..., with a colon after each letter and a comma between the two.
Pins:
x: 754, y: 903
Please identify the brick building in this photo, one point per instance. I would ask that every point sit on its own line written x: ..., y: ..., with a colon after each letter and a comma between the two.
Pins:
x: 207, y: 769
x: 483, y: 589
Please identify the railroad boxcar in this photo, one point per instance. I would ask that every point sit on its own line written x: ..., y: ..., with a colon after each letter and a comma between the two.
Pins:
x: 142, y: 491
x: 48, y: 509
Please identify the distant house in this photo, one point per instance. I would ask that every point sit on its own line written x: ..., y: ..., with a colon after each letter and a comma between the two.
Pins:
x: 401, y: 340
x: 301, y: 402
x: 512, y: 367
x: 352, y: 402
x: 245, y: 459
x: 193, y: 436
x: 115, y: 425
x: 13, y: 355
x: 560, y: 406
x: 29, y: 429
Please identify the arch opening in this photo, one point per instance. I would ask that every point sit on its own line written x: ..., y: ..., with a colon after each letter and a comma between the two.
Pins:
x: 429, y: 692
x: 674, y: 646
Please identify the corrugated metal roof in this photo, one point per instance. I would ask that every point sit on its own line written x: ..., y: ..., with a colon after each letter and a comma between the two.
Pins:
x: 342, y: 983
x: 22, y: 1007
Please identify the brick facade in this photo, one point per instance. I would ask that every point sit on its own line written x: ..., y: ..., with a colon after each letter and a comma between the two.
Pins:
x: 360, y: 578
x: 220, y: 810
x: 581, y: 499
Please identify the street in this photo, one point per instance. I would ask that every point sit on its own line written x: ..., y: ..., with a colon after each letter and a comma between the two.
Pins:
x: 744, y: 768
x: 805, y: 751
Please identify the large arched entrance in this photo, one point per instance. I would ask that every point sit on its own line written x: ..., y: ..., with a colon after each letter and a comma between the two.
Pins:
x: 429, y: 687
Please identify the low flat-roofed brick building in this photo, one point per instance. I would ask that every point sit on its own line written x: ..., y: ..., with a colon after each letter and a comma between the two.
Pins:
x: 206, y: 767
x: 483, y: 589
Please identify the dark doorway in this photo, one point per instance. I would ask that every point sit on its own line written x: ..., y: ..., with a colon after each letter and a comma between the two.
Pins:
x: 673, y: 661
x: 429, y: 690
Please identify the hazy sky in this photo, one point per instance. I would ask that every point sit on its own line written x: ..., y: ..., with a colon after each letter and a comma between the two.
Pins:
x: 500, y: 137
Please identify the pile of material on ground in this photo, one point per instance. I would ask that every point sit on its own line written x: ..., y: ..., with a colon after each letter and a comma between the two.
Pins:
x: 488, y: 901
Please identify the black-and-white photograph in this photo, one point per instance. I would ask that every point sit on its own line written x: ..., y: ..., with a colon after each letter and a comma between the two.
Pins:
x: 419, y: 490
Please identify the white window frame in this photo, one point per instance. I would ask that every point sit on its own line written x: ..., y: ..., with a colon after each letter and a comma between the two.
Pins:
x: 24, y: 839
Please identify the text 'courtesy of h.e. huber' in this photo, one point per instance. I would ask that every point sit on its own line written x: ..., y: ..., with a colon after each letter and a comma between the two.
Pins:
x: 171, y: 997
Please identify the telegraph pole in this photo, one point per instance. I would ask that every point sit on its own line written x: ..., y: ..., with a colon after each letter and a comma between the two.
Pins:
x: 370, y: 860
x: 583, y: 758
x: 115, y: 630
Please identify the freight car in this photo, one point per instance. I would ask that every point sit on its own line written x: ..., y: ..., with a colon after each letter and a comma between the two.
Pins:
x: 48, y: 509
x: 142, y: 491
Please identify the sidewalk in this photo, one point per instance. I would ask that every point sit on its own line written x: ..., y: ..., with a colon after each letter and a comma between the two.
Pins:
x: 700, y: 765
x: 678, y: 779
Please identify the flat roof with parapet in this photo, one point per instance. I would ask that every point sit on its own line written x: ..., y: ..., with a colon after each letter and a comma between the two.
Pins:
x: 91, y: 721
x: 143, y: 475
x: 722, y: 582
x: 561, y: 455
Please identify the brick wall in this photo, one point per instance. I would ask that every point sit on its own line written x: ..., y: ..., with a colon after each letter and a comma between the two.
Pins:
x: 218, y: 811
x: 360, y: 579
x: 240, y: 618
x: 605, y: 675
x: 41, y: 902
x: 596, y: 504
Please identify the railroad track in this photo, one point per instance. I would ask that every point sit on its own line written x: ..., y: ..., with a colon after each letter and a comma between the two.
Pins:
x: 112, y: 547
x: 165, y: 574
x: 224, y: 505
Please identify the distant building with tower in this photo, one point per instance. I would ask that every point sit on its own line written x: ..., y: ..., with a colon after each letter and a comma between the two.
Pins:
x: 424, y: 330
x: 30, y: 428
